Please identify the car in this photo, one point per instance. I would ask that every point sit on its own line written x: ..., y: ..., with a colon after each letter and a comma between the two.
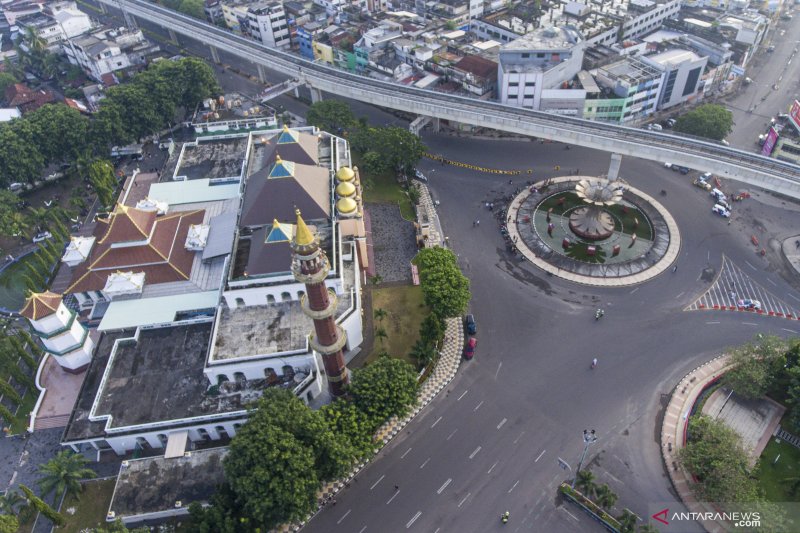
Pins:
x: 683, y: 170
x: 724, y: 204
x: 718, y: 195
x: 671, y: 122
x: 747, y: 303
x: 771, y: 49
x: 707, y: 176
x: 469, y: 348
x: 43, y: 236
x: 668, y: 165
x: 721, y: 211
x: 420, y: 176
x: 703, y: 184
x: 654, y: 127
x: 470, y: 325
x: 725, y: 142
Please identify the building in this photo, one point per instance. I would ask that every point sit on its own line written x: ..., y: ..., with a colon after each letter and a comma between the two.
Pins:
x: 58, y: 21
x: 267, y: 23
x: 682, y: 75
x: 232, y: 112
x: 542, y: 60
x: 235, y: 16
x: 107, y: 51
x: 26, y: 99
x: 477, y: 75
x: 631, y: 91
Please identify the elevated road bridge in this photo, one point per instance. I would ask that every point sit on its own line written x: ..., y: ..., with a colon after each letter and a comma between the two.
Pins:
x: 770, y: 174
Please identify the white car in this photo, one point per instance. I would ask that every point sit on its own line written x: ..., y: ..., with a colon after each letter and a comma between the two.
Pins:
x: 420, y: 176
x: 718, y: 195
x: 721, y: 211
x: 39, y: 237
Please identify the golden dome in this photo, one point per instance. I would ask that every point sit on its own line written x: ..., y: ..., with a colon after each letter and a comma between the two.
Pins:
x: 345, y: 174
x: 346, y: 205
x: 345, y: 188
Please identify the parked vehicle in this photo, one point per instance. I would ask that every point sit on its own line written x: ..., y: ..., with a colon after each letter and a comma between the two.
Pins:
x: 683, y: 170
x: 420, y: 176
x: 654, y: 127
x: 703, y: 184
x: 718, y: 195
x: 747, y: 303
x: 470, y: 325
x: 469, y: 348
x: 721, y: 211
x: 671, y: 122
x: 43, y: 236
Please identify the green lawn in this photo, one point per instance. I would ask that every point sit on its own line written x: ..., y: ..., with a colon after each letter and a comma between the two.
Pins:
x: 622, y: 215
x: 384, y: 189
x: 20, y: 425
x: 12, y: 286
x: 405, y: 311
x: 90, y: 510
x: 771, y: 475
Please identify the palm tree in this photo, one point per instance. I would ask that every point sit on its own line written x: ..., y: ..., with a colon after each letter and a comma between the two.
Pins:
x: 380, y: 314
x: 376, y: 279
x: 585, y: 482
x: 63, y: 473
x: 627, y: 521
x: 37, y: 217
x: 423, y: 353
x: 381, y: 334
x: 605, y: 497
x: 10, y: 502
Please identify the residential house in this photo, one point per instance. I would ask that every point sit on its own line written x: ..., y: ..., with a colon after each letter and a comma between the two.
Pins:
x: 26, y: 99
x: 108, y: 50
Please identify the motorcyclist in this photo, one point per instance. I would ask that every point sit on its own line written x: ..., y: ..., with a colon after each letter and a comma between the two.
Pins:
x: 504, y: 517
x: 598, y: 314
x: 594, y: 362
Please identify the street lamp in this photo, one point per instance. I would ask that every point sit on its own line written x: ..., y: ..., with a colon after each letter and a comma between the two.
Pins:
x: 589, y: 438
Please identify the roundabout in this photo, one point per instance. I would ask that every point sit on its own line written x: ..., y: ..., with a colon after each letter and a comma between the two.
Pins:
x: 593, y: 231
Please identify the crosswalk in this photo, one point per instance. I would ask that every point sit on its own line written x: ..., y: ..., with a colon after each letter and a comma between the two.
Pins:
x: 734, y: 284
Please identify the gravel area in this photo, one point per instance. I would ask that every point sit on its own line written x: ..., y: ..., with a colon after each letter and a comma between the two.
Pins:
x: 394, y: 242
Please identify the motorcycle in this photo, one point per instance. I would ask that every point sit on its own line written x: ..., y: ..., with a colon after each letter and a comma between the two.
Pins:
x: 599, y: 314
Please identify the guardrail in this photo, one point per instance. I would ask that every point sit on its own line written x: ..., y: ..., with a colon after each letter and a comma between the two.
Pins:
x: 700, y: 154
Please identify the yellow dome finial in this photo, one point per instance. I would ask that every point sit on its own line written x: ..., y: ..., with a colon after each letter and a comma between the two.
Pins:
x: 303, y: 236
x: 285, y: 127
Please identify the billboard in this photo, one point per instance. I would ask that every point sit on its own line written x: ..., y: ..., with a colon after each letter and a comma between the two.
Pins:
x: 794, y: 115
x: 769, y: 143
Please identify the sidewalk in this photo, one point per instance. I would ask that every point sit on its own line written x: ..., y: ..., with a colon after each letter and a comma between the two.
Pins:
x: 791, y: 251
x: 673, y: 431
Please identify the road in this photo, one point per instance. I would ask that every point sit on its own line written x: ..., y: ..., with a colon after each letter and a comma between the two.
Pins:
x: 758, y: 102
x: 490, y: 442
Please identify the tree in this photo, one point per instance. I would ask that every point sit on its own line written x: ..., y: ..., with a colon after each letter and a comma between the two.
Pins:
x: 423, y: 352
x: 345, y: 419
x: 605, y: 496
x: 755, y: 366
x: 12, y: 222
x: 271, y: 474
x: 6, y: 81
x: 58, y: 131
x: 11, y: 501
x: 193, y: 8
x: 384, y: 388
x: 627, y: 521
x: 585, y: 482
x: 101, y: 177
x: 8, y: 523
x: 444, y: 287
x: 41, y: 506
x: 117, y: 527
x: 431, y: 331
x: 413, y: 194
x: 398, y: 148
x: 333, y: 116
x: 381, y: 334
x: 8, y: 392
x: 20, y: 159
x: 794, y: 395
x: 63, y: 473
x: 715, y: 455
x: 379, y: 314
x: 19, y: 348
x: 711, y: 121
x: 648, y: 528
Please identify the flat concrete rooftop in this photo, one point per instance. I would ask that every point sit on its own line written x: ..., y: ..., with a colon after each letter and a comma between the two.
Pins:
x: 154, y: 484
x: 220, y: 158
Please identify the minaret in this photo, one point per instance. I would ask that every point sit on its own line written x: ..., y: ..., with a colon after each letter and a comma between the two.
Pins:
x: 310, y: 266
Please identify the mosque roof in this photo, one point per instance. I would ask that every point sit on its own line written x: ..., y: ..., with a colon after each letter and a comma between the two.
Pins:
x: 40, y: 304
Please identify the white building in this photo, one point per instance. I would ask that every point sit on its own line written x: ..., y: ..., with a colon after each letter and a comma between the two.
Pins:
x: 58, y: 21
x: 636, y: 88
x: 542, y: 60
x: 106, y: 51
x: 682, y: 70
x: 267, y: 23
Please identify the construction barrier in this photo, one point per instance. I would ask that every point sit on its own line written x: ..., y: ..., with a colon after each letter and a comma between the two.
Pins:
x: 444, y: 161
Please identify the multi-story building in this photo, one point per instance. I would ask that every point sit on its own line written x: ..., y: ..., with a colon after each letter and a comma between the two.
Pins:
x: 58, y: 21
x: 541, y: 60
x: 267, y: 23
x: 235, y: 16
x: 682, y: 75
x: 106, y: 51
x: 632, y: 91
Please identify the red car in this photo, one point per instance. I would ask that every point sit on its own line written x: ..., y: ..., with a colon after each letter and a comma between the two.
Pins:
x: 469, y: 349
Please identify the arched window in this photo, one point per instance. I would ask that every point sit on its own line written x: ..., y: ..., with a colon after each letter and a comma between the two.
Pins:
x: 270, y: 299
x: 222, y: 378
x: 163, y: 439
x: 222, y: 432
x: 286, y: 297
x: 300, y: 294
x: 203, y: 434
x: 239, y: 302
x: 239, y: 377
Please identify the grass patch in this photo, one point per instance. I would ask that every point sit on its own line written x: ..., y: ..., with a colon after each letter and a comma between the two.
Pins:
x: 90, y: 510
x: 771, y: 475
x: 23, y: 417
x: 405, y: 311
x: 384, y: 189
x: 12, y: 284
x: 623, y: 215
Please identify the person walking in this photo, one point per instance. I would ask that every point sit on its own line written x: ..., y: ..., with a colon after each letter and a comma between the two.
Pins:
x: 674, y: 269
x: 594, y: 362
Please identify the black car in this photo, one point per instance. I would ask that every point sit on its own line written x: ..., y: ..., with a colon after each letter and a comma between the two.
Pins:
x: 469, y: 323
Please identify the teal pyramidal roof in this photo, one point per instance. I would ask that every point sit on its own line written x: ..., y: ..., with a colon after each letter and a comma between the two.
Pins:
x: 280, y: 232
x: 281, y: 169
x: 287, y: 136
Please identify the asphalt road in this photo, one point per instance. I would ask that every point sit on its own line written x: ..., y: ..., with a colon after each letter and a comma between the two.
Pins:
x: 490, y: 443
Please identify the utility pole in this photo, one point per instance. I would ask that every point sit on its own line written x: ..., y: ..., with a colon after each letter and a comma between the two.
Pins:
x: 589, y: 438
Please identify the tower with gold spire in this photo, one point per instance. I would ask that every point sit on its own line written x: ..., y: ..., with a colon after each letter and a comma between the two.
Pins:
x: 310, y: 266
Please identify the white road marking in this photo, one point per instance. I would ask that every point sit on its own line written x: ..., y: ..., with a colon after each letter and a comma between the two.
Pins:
x: 451, y: 434
x: 363, y: 529
x: 426, y: 462
x: 413, y: 519
x: 406, y: 453
x: 498, y: 369
x: 795, y: 297
x: 463, y: 394
x: 393, y: 497
x: 513, y: 487
x: 503, y: 421
x: 473, y: 454
x: 712, y: 322
x: 520, y: 436
x: 492, y: 468
x: 540, y: 456
x: 634, y: 290
x: 572, y: 515
x: 680, y: 294
x: 437, y: 421
x: 465, y: 499
x: 769, y: 280
x: 444, y: 486
x: 751, y: 266
x: 376, y: 483
x: 478, y: 406
x: 749, y: 324
x: 344, y: 516
x: 789, y: 330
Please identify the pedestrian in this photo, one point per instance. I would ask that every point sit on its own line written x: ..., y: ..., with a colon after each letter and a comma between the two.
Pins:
x: 477, y: 222
x: 473, y: 223
x: 796, y: 244
x: 511, y: 182
x: 397, y: 487
x: 674, y: 269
